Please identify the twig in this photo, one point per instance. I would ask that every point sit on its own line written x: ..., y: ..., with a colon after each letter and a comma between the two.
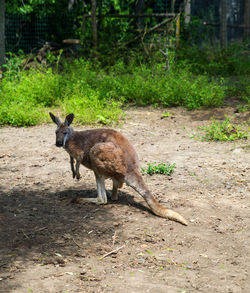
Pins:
x: 114, y: 239
x: 25, y: 235
x: 149, y: 31
x: 33, y: 232
x: 111, y: 252
x: 78, y: 244
x: 38, y: 230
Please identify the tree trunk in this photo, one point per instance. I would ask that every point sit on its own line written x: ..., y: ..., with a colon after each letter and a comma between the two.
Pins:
x: 94, y: 25
x: 2, y: 32
x: 139, y: 9
x: 223, y: 23
x: 247, y: 19
x: 187, y: 11
x: 172, y: 6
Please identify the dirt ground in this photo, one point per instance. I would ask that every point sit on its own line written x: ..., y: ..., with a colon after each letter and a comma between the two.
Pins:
x: 52, y: 242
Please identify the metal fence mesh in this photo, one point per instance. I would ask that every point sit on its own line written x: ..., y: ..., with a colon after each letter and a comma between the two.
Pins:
x: 25, y: 33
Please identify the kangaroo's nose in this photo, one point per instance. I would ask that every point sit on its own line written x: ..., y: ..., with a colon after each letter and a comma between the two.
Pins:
x: 59, y: 144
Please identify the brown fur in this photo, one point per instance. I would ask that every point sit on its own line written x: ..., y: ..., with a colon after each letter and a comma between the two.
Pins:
x: 110, y: 155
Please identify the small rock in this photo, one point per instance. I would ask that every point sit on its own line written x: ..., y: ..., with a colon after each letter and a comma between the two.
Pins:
x: 141, y: 260
x: 237, y: 151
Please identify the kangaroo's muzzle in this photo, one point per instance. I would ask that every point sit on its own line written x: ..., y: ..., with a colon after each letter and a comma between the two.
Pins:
x: 59, y: 144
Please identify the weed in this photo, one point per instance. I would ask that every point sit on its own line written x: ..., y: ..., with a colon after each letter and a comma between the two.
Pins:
x: 241, y: 89
x: 243, y: 108
x: 165, y: 115
x: 223, y: 131
x: 161, y: 168
x: 14, y: 65
x: 234, y: 60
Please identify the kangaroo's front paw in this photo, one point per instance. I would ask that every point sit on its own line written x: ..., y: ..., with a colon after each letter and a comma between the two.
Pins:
x: 78, y: 176
x: 74, y: 175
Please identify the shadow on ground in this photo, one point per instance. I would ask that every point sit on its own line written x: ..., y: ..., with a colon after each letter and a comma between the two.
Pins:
x: 42, y: 227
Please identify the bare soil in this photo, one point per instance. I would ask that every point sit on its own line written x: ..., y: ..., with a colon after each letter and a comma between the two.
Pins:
x: 52, y: 242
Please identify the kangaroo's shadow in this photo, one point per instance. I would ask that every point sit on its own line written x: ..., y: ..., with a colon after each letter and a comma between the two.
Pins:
x: 124, y: 198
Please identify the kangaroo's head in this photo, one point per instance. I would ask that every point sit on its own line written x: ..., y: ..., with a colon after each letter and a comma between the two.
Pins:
x: 64, y: 130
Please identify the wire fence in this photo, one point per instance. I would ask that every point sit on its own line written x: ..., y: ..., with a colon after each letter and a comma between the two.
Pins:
x: 29, y: 32
x: 25, y: 33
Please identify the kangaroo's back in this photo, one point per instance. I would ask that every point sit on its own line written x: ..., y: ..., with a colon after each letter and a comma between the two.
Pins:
x: 81, y: 143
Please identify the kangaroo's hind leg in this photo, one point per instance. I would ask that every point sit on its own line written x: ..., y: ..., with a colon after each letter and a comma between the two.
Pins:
x: 116, y: 185
x: 107, y: 161
x: 72, y: 161
x: 78, y: 163
x: 101, y: 192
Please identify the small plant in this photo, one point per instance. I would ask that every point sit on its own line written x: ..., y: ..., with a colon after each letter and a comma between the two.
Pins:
x: 243, y: 108
x: 165, y: 115
x: 161, y: 168
x: 223, y: 131
x: 14, y: 65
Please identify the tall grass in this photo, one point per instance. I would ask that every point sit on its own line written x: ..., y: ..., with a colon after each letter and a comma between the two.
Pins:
x: 97, y: 95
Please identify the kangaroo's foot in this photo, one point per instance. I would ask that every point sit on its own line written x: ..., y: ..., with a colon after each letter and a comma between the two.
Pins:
x: 95, y: 200
x: 78, y: 176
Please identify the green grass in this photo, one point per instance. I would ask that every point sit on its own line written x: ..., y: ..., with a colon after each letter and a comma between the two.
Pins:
x: 223, y: 131
x: 158, y: 168
x: 205, y: 59
x: 241, y: 89
x: 98, y: 94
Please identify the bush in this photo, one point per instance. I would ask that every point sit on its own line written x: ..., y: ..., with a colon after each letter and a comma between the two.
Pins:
x: 240, y: 89
x: 234, y: 60
x: 130, y: 83
x: 88, y: 108
x: 96, y: 95
x: 20, y: 114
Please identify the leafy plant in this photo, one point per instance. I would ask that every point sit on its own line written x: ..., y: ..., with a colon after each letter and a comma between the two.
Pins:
x: 241, y: 89
x: 243, y: 108
x: 165, y: 115
x: 160, y: 168
x: 212, y: 60
x: 98, y: 94
x: 14, y: 65
x: 223, y: 131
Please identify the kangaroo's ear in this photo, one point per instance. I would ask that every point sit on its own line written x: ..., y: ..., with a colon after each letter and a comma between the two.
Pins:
x: 55, y: 119
x: 69, y: 119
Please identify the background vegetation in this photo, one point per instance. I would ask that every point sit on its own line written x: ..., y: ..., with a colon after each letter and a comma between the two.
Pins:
x: 98, y: 93
x: 98, y: 89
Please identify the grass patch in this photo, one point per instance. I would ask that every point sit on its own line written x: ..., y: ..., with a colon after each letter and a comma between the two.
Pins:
x: 158, y: 168
x: 97, y: 94
x: 241, y: 89
x: 223, y: 131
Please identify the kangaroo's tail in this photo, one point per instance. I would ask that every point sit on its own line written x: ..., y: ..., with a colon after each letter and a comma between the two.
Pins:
x: 137, y: 183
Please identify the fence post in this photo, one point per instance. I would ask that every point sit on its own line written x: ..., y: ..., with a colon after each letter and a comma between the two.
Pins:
x: 2, y: 32
x: 94, y: 26
x: 187, y: 11
x: 247, y: 19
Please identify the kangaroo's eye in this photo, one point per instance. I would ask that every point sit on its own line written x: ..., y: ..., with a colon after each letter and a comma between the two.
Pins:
x: 64, y: 132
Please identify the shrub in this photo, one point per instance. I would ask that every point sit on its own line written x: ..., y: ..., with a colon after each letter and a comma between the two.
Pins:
x: 89, y: 108
x: 96, y: 95
x: 212, y: 60
x: 240, y: 89
x: 20, y: 114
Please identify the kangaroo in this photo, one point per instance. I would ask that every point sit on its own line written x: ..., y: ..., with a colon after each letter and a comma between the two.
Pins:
x: 110, y: 155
